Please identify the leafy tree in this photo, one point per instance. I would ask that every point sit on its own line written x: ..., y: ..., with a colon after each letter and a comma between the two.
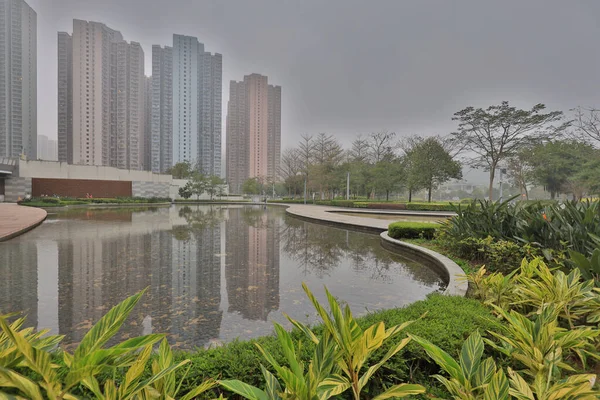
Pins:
x: 411, y: 167
x: 181, y: 170
x: 198, y: 183
x: 431, y: 164
x: 557, y: 164
x: 519, y: 170
x: 388, y: 175
x: 213, y: 184
x: 499, y: 132
x: 589, y: 174
x: 252, y: 186
x: 186, y: 190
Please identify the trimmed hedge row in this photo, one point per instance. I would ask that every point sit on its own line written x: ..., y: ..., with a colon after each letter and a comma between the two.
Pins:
x: 373, y: 205
x: 412, y: 230
x: 69, y: 201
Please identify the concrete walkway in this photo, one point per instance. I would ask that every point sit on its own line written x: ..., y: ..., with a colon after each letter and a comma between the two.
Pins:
x: 15, y: 219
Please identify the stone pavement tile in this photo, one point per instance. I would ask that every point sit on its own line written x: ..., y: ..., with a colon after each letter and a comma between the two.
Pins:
x: 15, y: 219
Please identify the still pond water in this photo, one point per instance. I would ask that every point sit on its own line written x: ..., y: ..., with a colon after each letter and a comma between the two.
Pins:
x: 213, y: 273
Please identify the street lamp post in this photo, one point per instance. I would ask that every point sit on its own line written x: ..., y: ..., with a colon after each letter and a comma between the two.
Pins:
x: 298, y: 174
x: 304, y: 189
x: 348, y: 187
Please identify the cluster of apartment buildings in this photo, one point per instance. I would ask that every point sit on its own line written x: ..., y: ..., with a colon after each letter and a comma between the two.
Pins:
x: 111, y: 114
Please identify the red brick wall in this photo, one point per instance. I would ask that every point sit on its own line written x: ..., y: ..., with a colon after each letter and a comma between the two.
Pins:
x: 80, y: 187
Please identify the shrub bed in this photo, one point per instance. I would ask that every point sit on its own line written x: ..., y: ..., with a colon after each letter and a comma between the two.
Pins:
x: 502, y: 233
x: 412, y: 230
x: 430, y: 206
x: 448, y: 322
x: 69, y: 201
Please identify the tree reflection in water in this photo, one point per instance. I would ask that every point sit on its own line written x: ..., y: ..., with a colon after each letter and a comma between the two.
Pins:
x: 319, y: 249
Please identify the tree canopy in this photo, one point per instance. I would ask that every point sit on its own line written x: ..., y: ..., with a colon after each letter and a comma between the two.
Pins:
x: 492, y: 135
x: 429, y: 164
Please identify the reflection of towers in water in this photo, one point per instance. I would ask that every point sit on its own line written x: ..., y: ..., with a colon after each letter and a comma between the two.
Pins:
x: 19, y: 283
x: 252, y: 272
x: 196, y: 282
x: 95, y: 273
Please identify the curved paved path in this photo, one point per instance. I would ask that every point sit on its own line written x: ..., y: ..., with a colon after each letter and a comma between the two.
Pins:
x: 448, y: 268
x: 15, y: 219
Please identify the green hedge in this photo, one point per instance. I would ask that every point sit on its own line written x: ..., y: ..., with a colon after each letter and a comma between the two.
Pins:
x: 430, y: 207
x: 69, y: 201
x: 412, y: 230
x: 448, y: 323
x: 373, y: 205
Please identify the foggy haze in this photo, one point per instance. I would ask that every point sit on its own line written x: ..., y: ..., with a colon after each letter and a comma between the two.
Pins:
x: 348, y: 67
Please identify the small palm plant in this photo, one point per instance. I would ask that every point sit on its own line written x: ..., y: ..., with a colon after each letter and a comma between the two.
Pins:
x: 355, y: 347
x: 298, y: 382
x: 341, y: 354
x: 539, y: 347
x: 23, y: 349
x: 471, y: 378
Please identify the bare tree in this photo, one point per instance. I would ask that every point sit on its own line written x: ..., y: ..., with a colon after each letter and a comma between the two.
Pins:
x: 360, y: 150
x: 587, y: 124
x: 327, y: 150
x: 380, y: 145
x: 306, y: 151
x: 492, y: 135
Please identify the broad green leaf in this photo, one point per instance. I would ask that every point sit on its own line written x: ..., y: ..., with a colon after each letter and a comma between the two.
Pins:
x: 442, y: 358
x: 203, y: 387
x: 244, y: 390
x: 401, y: 390
x: 29, y: 388
x: 335, y: 385
x: 272, y: 384
x: 519, y: 387
x: 484, y: 374
x: 287, y: 345
x: 391, y: 352
x: 498, y: 388
x: 106, y: 327
x: 470, y: 355
x: 39, y: 361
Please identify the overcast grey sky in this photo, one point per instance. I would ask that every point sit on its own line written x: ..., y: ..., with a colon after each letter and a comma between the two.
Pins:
x: 349, y: 67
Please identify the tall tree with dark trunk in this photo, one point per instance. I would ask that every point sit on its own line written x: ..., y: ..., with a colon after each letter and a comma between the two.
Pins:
x: 490, y: 136
x: 431, y: 164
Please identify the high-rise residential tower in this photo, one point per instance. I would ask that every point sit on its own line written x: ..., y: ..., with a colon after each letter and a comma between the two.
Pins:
x: 18, y: 79
x: 253, y: 131
x: 102, y: 85
x: 94, y: 83
x: 161, y: 141
x: 196, y: 105
x: 148, y: 123
x: 237, y: 143
x: 65, y: 97
x: 46, y: 148
x: 127, y: 138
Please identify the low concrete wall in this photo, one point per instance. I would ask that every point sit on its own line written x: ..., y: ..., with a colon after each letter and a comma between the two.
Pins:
x: 61, y: 170
x: 52, y: 177
x: 15, y: 188
x: 447, y: 268
x: 151, y: 189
